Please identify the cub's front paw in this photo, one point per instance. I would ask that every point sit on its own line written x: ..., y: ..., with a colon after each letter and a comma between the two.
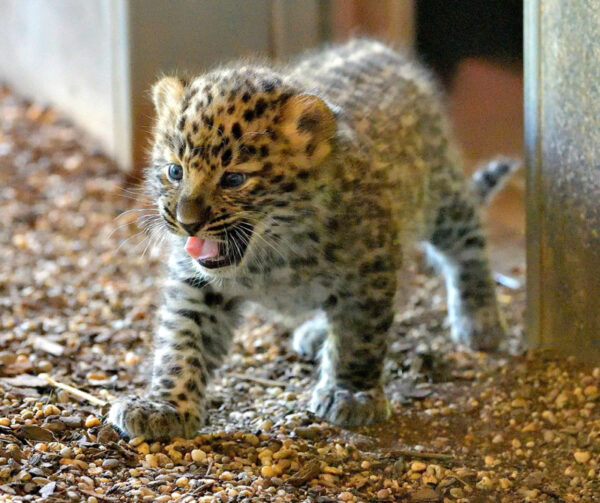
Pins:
x: 135, y: 416
x: 342, y: 407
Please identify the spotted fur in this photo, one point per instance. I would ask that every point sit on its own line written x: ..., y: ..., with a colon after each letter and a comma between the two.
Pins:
x: 346, y: 162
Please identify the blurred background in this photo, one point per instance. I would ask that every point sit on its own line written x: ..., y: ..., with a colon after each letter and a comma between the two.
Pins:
x: 94, y: 61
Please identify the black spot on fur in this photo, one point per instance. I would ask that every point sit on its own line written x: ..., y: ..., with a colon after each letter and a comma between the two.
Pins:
x: 216, y: 149
x: 257, y: 189
x: 185, y: 104
x: 226, y: 158
x: 167, y: 383
x: 288, y: 187
x: 330, y: 250
x: 208, y: 121
x: 248, y: 149
x: 260, y: 107
x: 194, y: 361
x: 378, y: 265
x: 236, y: 131
x: 175, y: 370
x: 191, y: 386
x: 475, y: 242
x: 331, y: 301
x: 246, y: 97
x: 213, y: 299
x: 441, y: 237
x: 264, y: 151
x: 195, y: 282
x: 268, y: 86
x: 283, y: 97
x: 249, y: 115
x: 195, y: 316
x: 314, y: 237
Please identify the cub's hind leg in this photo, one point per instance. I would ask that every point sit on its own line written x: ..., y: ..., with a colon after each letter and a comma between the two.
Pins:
x: 350, y: 387
x: 457, y: 246
x: 309, y: 337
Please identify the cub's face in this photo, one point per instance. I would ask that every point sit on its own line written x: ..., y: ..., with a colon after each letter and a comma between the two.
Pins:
x: 233, y: 151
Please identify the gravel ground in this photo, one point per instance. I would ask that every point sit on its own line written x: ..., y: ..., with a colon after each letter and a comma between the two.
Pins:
x: 77, y: 297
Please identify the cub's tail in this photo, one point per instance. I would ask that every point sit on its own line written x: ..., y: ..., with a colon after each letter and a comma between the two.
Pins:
x: 491, y: 178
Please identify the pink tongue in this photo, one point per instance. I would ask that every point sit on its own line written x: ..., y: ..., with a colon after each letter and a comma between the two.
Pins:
x: 202, y: 249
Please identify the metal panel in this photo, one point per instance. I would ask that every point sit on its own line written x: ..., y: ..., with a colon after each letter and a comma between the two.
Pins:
x: 96, y: 59
x: 297, y: 25
x: 562, y: 95
x: 59, y: 53
x: 389, y: 20
x: 189, y: 35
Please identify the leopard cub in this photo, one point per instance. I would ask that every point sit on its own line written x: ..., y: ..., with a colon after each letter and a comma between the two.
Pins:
x: 300, y: 188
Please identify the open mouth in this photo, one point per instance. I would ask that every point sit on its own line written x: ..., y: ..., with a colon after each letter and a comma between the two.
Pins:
x: 216, y: 254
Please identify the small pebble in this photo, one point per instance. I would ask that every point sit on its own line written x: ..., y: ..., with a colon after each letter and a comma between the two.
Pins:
x: 383, y: 494
x: 582, y: 456
x: 418, y: 466
x: 110, y: 463
x: 182, y: 482
x: 66, y: 452
x: 132, y: 358
x: 198, y: 456
x: 51, y: 410
x: 45, y: 366
x: 134, y: 442
x: 91, y: 421
x: 268, y: 471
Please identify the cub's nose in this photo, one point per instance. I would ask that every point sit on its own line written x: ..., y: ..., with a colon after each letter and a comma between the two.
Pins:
x: 192, y: 214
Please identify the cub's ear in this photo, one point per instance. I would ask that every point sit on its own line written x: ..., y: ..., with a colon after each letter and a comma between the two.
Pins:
x: 166, y: 93
x: 308, y: 123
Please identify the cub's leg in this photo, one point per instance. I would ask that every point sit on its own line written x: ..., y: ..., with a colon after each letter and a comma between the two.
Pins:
x: 309, y: 337
x: 194, y: 333
x: 457, y: 246
x: 350, y: 388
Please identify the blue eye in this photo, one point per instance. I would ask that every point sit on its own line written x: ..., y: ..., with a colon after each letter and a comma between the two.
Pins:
x: 232, y: 180
x: 175, y: 172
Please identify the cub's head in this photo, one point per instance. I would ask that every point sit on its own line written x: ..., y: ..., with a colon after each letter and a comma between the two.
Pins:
x: 234, y: 150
